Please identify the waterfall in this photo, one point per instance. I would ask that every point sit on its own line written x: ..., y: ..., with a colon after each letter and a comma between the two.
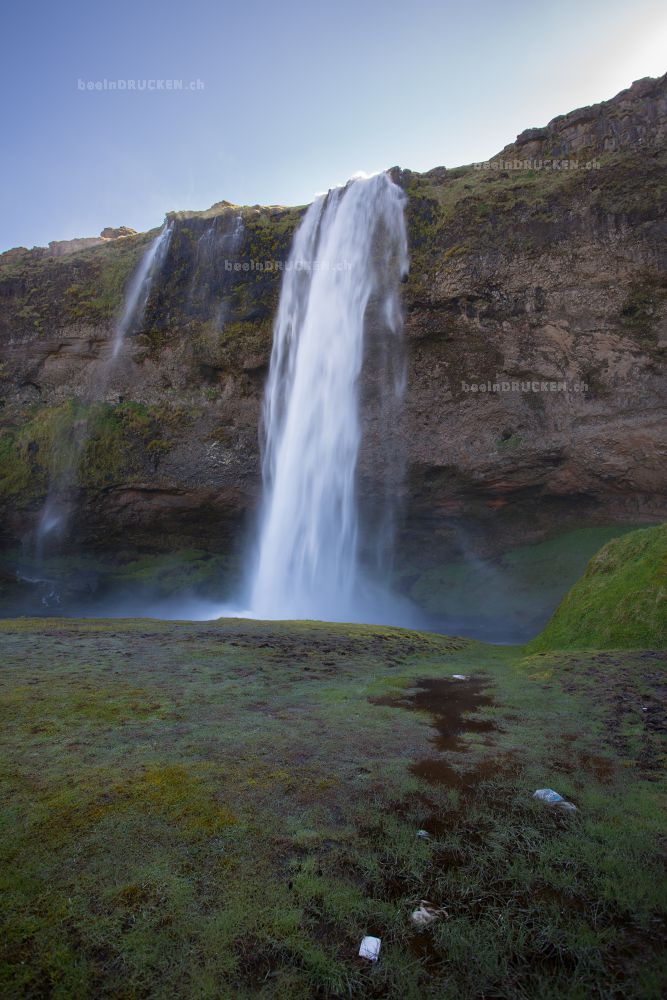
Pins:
x: 56, y: 512
x: 138, y: 291
x: 340, y: 292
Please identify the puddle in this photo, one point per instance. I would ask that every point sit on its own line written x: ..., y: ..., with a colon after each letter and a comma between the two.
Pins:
x: 447, y: 701
x: 439, y: 772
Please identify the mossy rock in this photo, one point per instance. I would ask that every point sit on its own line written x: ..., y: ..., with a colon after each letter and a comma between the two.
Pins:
x: 619, y: 603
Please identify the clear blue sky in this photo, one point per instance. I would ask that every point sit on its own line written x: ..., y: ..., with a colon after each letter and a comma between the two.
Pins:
x: 297, y: 96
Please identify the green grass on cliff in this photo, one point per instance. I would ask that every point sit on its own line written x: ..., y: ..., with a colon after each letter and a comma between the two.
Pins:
x: 621, y: 600
x: 222, y: 810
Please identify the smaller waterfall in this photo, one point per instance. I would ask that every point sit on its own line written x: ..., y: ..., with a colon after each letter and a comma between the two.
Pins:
x: 140, y: 286
x: 68, y: 447
x: 209, y: 284
x: 57, y: 507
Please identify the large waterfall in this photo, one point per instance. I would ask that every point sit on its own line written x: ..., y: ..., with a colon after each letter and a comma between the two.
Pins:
x: 338, y: 324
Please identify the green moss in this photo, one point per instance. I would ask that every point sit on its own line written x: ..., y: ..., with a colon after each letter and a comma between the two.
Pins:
x: 101, y: 442
x: 15, y: 469
x: 42, y: 292
x: 39, y: 450
x: 119, y: 441
x: 620, y: 602
x: 187, y: 570
x: 509, y: 441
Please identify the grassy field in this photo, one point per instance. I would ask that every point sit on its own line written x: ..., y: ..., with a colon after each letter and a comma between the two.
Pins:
x: 223, y: 810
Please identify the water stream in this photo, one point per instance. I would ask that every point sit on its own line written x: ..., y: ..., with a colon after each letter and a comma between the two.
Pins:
x: 340, y: 296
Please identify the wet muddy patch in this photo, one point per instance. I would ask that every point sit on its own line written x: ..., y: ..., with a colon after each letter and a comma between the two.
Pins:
x: 449, y: 702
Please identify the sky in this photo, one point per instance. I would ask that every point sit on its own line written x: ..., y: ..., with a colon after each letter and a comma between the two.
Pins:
x: 282, y: 99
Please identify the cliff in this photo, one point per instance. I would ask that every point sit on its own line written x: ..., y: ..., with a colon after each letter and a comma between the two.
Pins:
x: 637, y: 117
x: 536, y: 324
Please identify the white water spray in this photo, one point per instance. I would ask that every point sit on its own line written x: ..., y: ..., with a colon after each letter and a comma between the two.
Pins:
x: 345, y: 265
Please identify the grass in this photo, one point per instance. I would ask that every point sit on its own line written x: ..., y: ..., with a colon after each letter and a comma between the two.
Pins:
x: 223, y: 809
x: 620, y: 602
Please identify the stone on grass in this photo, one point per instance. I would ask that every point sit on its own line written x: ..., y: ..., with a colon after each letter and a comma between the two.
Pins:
x: 370, y: 948
x: 552, y: 798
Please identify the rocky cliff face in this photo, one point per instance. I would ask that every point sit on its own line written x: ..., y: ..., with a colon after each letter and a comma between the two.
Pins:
x: 536, y: 320
x: 637, y: 117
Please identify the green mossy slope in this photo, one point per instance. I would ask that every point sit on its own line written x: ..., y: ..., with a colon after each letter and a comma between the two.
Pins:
x: 621, y: 600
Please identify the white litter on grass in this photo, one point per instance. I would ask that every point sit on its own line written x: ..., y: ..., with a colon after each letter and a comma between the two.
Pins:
x: 459, y: 677
x: 424, y: 834
x: 426, y: 913
x: 370, y: 948
x: 553, y: 798
x: 548, y: 795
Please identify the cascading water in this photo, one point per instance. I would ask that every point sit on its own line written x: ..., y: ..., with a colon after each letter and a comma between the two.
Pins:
x: 57, y: 509
x: 341, y: 285
x: 140, y: 286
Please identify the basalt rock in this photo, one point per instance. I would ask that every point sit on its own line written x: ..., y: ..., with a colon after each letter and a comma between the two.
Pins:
x: 60, y: 248
x: 114, y: 234
x: 637, y: 117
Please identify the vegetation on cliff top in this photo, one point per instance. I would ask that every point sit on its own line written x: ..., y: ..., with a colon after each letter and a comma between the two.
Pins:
x: 471, y: 211
x: 621, y: 600
x: 450, y: 212
x: 40, y: 292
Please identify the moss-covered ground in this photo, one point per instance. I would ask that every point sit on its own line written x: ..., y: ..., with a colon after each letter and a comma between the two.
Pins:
x: 223, y: 810
x: 621, y: 600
